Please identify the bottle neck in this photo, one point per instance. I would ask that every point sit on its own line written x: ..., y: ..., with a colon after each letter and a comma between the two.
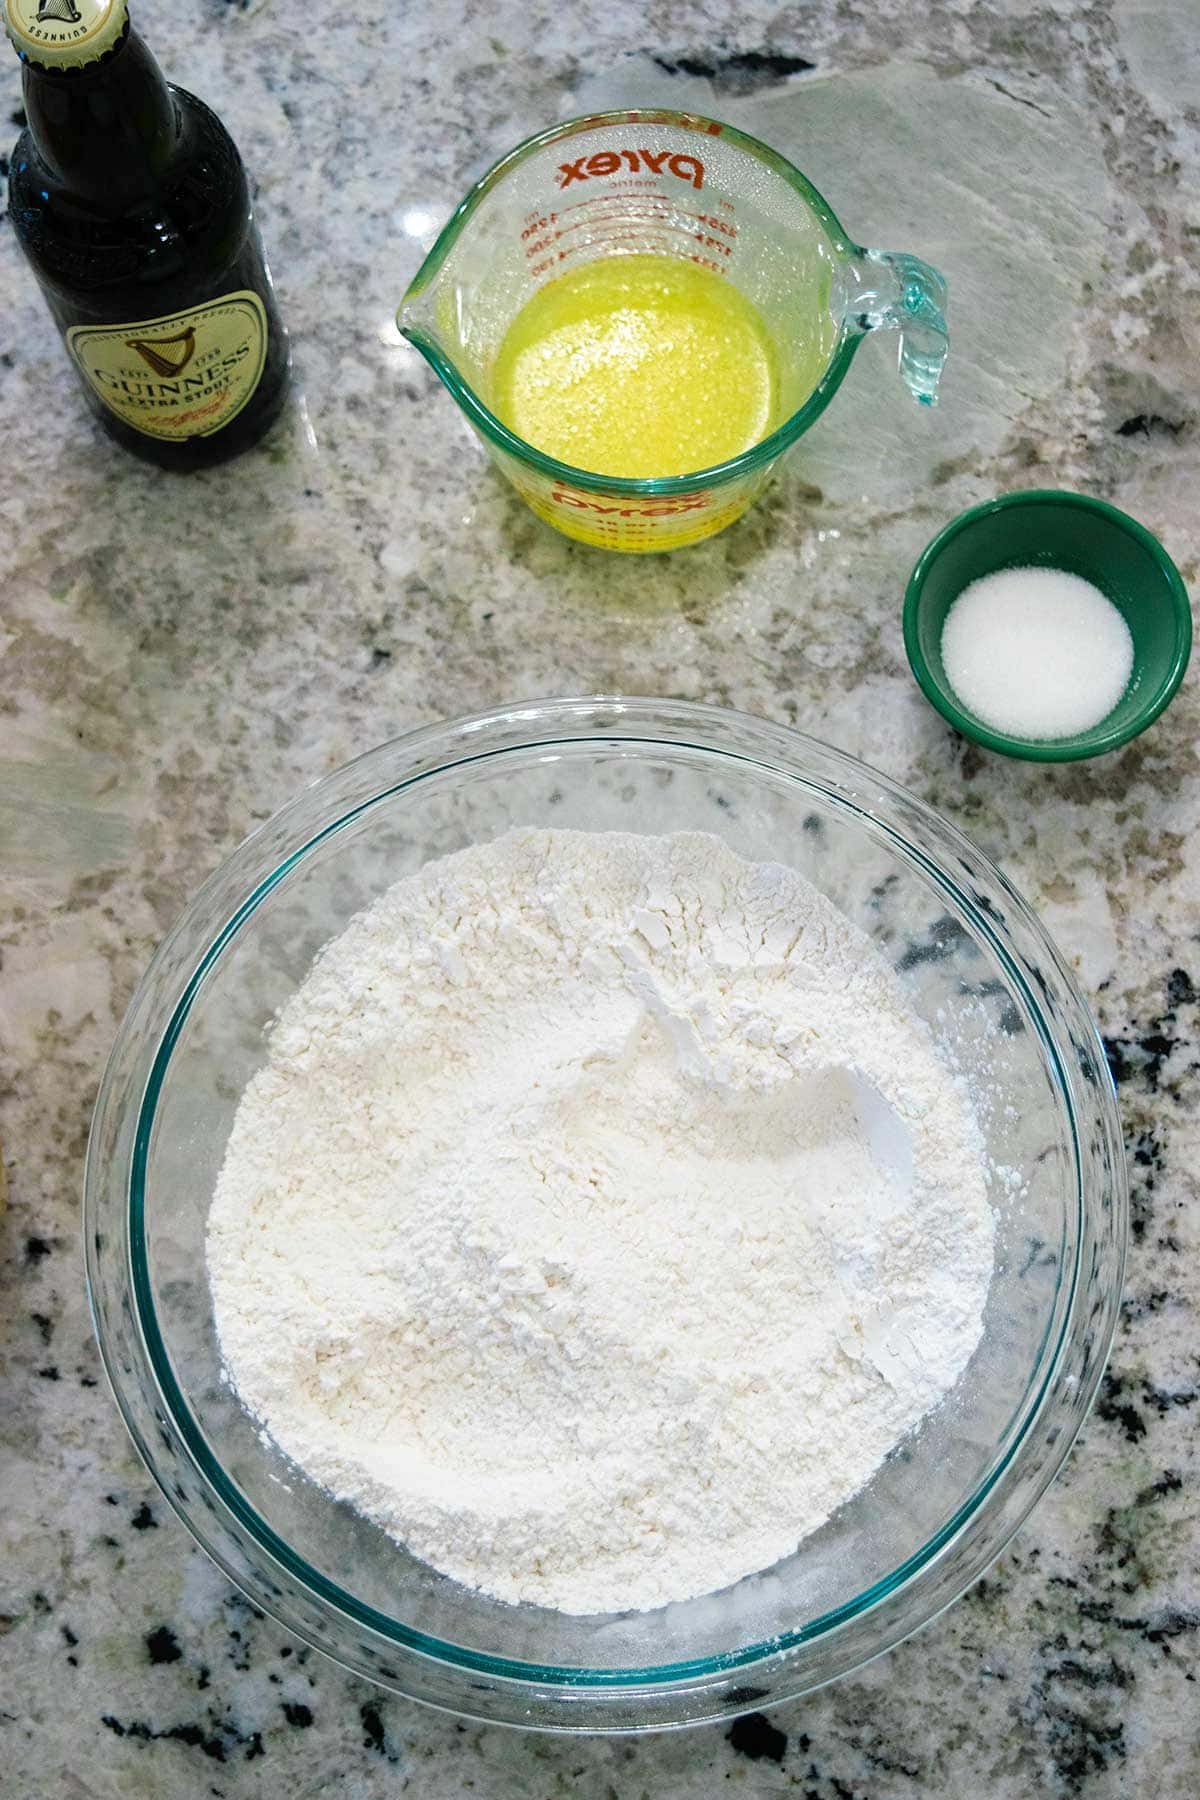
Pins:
x: 108, y: 132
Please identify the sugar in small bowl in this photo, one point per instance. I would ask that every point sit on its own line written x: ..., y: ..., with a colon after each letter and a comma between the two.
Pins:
x: 1047, y: 625
x: 1037, y: 653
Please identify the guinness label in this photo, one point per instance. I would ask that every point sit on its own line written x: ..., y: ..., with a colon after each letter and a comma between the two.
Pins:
x: 184, y: 375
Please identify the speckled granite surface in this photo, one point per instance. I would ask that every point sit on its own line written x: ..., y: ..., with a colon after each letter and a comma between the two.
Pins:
x: 176, y: 657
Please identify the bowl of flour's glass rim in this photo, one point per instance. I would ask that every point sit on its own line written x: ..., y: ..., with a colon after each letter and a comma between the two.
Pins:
x: 975, y: 965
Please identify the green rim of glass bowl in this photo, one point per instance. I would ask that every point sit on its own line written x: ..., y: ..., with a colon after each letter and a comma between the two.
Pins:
x: 1079, y: 746
x: 661, y: 486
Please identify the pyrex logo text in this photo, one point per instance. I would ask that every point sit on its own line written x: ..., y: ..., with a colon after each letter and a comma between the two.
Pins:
x: 609, y: 162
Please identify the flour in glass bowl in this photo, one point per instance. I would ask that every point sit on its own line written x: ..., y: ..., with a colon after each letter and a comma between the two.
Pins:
x: 601, y: 1217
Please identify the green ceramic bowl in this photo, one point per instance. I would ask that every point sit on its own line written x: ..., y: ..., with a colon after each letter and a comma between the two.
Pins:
x: 1049, y: 529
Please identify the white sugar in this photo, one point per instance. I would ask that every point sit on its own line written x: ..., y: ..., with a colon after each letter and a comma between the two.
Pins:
x: 1036, y: 653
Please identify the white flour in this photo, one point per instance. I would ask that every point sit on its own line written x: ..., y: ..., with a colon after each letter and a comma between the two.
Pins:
x: 600, y: 1219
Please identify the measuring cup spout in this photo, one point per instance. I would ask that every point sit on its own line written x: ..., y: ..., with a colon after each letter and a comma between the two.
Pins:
x: 417, y: 316
x: 886, y: 289
x: 430, y: 316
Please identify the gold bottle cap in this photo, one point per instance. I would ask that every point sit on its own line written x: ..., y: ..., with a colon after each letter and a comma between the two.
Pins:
x: 63, y: 34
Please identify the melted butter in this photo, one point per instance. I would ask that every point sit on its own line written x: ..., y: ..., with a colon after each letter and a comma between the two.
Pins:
x: 638, y: 366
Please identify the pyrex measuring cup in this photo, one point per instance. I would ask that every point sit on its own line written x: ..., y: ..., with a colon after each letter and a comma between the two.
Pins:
x: 675, y: 184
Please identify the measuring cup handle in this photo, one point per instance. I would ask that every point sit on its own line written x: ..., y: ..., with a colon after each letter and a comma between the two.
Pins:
x: 886, y: 289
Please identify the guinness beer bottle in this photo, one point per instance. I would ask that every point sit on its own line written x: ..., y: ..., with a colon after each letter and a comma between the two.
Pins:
x: 131, y: 202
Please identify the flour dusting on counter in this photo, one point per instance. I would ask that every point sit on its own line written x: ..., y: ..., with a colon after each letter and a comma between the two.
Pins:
x: 601, y: 1217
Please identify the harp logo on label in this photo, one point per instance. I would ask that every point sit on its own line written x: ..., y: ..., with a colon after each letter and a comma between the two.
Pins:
x: 166, y: 356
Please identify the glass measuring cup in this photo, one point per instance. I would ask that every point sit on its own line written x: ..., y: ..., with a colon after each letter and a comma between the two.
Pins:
x: 674, y: 184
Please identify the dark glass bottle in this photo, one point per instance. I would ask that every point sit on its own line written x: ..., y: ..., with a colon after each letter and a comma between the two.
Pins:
x: 131, y: 202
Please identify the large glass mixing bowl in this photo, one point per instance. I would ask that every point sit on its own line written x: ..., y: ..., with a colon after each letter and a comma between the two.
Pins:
x: 977, y: 966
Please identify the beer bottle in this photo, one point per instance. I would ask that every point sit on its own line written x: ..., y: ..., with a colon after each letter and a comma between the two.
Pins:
x: 131, y: 202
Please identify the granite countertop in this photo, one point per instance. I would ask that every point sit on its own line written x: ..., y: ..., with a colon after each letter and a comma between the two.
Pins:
x: 178, y: 656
